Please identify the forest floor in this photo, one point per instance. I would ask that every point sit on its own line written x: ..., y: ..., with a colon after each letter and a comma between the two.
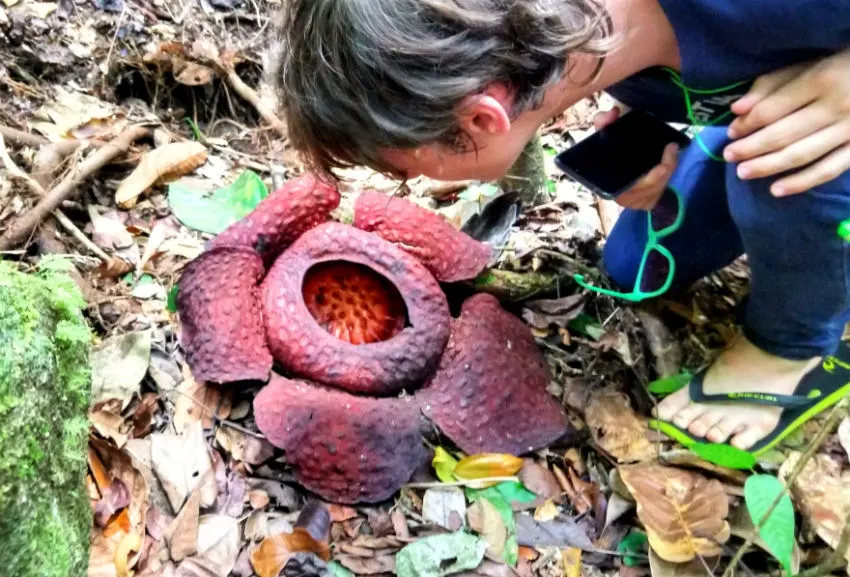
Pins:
x: 181, y: 481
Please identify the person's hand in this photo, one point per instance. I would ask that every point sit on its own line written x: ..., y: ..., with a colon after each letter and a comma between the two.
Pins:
x: 646, y: 192
x: 797, y: 117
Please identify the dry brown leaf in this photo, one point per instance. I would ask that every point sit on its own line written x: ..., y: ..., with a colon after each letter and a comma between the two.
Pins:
x: 366, y: 566
x: 340, y: 513
x: 108, y: 422
x: 158, y: 234
x: 273, y: 553
x: 586, y: 493
x: 539, y: 479
x: 400, y: 524
x: 684, y: 512
x: 546, y: 512
x: 182, y: 534
x: 219, y: 542
x: 182, y: 464
x: 232, y: 441
x: 487, y: 465
x: 485, y: 520
x: 118, y: 550
x: 616, y: 428
x: 160, y: 165
x: 192, y: 73
x: 144, y: 415
x: 197, y: 401
x: 822, y: 494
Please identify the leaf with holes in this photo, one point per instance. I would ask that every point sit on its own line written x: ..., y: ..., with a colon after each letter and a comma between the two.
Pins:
x: 214, y: 213
x: 760, y: 491
x: 724, y: 455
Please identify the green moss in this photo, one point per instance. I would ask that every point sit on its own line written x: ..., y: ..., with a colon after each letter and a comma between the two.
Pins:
x: 44, y: 394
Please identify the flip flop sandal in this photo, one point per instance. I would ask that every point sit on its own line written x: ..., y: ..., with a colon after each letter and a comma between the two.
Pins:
x: 819, y: 389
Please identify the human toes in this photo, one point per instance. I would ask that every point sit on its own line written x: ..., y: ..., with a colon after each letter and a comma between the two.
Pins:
x: 749, y: 436
x: 688, y: 415
x: 699, y: 427
x: 670, y: 406
x: 722, y: 430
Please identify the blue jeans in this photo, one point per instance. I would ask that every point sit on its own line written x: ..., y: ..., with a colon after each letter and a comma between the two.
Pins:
x: 799, y: 301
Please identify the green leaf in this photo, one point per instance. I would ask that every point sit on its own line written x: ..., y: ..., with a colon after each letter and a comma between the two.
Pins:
x: 338, y: 570
x: 671, y: 384
x: 586, y: 325
x: 551, y: 187
x: 510, y: 491
x: 440, y: 555
x: 777, y: 532
x: 214, y: 213
x: 724, y: 455
x: 171, y: 302
x: 634, y: 542
x: 444, y: 465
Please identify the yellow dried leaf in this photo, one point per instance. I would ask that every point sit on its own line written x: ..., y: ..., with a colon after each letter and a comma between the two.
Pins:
x: 163, y: 164
x: 271, y: 556
x: 684, y: 512
x: 487, y: 465
x: 571, y: 557
x: 129, y: 543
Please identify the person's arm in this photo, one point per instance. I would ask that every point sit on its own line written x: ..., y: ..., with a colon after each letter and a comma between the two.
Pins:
x: 795, y: 118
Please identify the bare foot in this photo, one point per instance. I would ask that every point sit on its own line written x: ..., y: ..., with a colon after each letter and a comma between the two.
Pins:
x: 741, y: 368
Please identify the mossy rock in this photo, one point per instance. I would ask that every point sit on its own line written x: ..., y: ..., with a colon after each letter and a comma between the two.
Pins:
x: 45, y: 385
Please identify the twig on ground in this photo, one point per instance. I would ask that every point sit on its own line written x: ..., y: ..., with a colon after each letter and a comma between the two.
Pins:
x: 21, y: 137
x: 26, y: 224
x: 16, y: 171
x: 251, y: 96
x: 835, y: 415
x: 609, y: 212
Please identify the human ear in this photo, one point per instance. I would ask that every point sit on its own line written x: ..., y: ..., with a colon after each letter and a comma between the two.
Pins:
x: 484, y: 115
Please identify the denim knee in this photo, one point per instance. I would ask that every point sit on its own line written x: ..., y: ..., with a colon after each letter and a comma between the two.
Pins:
x: 799, y: 301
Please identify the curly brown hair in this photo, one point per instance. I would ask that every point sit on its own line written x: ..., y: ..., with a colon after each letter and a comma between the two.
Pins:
x: 356, y: 76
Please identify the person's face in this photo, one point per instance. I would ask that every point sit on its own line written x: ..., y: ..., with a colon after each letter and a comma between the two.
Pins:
x: 494, y: 143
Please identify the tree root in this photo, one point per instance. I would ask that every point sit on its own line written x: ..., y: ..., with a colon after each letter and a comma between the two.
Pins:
x: 27, y: 223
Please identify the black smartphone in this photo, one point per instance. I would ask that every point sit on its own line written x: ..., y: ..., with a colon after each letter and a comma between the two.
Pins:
x: 611, y: 160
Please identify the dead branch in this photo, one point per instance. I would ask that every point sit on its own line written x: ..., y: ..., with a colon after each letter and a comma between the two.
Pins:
x: 251, y: 96
x: 837, y: 413
x: 24, y: 226
x: 17, y: 172
x: 21, y: 137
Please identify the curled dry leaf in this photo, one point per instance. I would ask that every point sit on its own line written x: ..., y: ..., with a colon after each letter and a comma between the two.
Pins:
x: 684, y: 512
x: 616, y: 428
x: 273, y: 553
x: 161, y: 165
x: 822, y: 493
x: 539, y: 479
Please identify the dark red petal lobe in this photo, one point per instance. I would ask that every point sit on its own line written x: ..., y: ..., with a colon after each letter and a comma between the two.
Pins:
x: 344, y: 448
x: 305, y: 348
x: 218, y: 299
x: 449, y: 254
x: 489, y: 394
x: 296, y: 207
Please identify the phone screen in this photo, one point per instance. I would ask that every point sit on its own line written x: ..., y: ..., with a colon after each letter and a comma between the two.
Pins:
x: 611, y: 160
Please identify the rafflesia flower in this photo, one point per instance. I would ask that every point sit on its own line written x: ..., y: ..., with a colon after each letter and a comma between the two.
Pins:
x: 354, y: 316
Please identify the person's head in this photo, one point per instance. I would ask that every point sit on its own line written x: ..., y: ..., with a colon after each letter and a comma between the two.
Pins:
x: 445, y: 88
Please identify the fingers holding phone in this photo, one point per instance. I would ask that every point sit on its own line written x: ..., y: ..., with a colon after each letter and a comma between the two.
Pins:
x: 647, y: 191
x: 629, y: 159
